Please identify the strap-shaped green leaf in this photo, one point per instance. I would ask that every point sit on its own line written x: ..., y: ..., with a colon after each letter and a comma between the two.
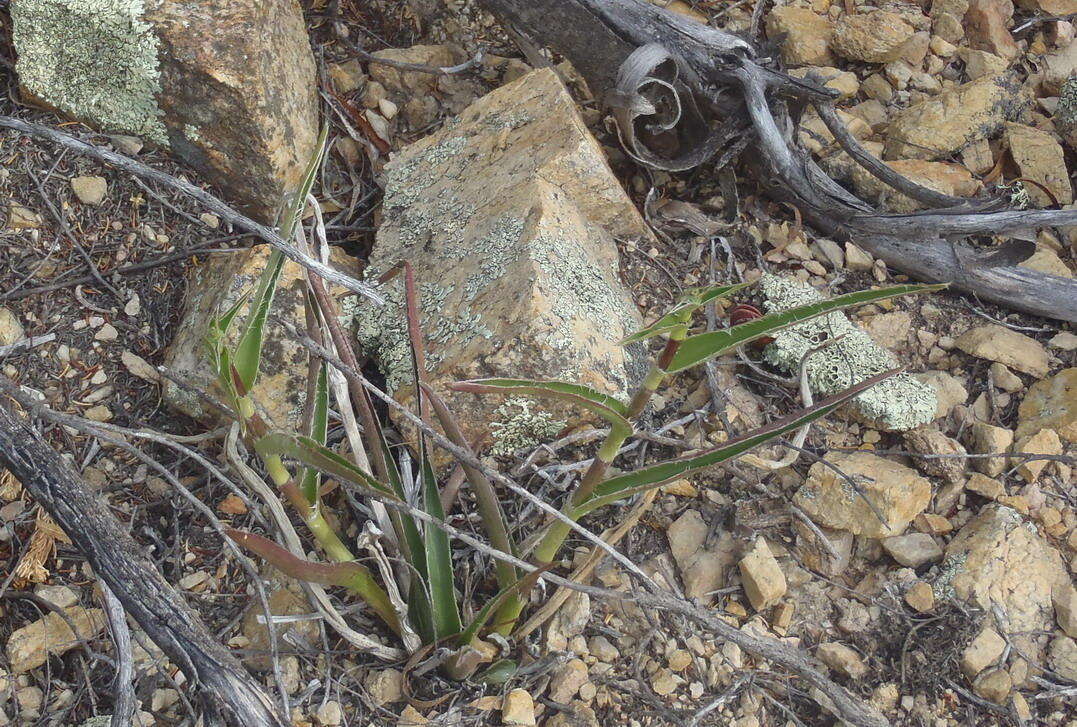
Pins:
x: 617, y: 488
x: 681, y: 313
x: 320, y: 457
x: 608, y: 407
x: 699, y: 348
x: 521, y: 586
x: 248, y: 353
x: 438, y: 556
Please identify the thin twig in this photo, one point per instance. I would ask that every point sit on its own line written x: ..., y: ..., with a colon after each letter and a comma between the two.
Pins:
x: 211, y: 202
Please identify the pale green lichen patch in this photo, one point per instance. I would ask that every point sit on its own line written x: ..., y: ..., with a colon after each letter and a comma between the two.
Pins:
x: 95, y: 60
x: 899, y: 403
x: 518, y: 426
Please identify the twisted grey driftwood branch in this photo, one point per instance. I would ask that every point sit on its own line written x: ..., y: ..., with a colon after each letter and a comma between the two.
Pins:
x: 722, y: 76
x: 228, y: 693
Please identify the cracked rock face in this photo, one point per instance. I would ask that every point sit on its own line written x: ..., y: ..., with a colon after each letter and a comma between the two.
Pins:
x: 508, y: 216
x: 895, y: 491
x: 999, y: 558
x: 227, y: 85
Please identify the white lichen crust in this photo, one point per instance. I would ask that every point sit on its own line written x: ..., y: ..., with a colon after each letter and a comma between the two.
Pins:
x: 519, y: 427
x: 95, y: 60
x: 899, y: 403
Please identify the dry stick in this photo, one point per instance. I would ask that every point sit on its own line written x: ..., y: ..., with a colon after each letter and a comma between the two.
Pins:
x: 415, y: 67
x: 227, y: 691
x: 882, y: 171
x: 212, y: 203
x: 612, y: 536
x: 850, y: 707
x: 200, y: 249
x: 123, y: 707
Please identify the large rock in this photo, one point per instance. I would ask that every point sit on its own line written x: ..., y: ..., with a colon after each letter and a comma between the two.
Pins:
x: 1039, y: 157
x: 945, y: 123
x: 875, y: 37
x: 227, y: 85
x: 280, y: 391
x: 805, y: 36
x: 998, y: 558
x: 508, y: 216
x: 1051, y: 403
x: 896, y: 491
x: 999, y: 343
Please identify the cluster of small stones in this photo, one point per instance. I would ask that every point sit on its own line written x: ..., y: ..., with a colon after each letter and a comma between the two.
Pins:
x: 899, y: 403
x: 95, y: 60
x: 519, y: 427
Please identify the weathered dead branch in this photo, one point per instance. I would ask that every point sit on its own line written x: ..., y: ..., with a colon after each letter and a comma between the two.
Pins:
x: 229, y: 694
x: 718, y: 80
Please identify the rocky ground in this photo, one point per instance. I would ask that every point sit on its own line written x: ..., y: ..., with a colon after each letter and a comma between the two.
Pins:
x: 942, y: 592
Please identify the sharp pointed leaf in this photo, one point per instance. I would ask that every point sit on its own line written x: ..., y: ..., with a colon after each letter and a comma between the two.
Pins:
x: 699, y: 348
x: 320, y: 457
x: 438, y: 556
x: 681, y: 313
x: 604, y: 405
x: 622, y: 486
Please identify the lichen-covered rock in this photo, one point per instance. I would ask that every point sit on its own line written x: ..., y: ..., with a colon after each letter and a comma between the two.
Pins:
x: 1051, y: 404
x: 899, y: 403
x: 897, y: 492
x: 943, y: 124
x: 508, y: 216
x: 227, y: 85
x: 280, y: 391
x: 875, y: 37
x: 806, y: 36
x: 999, y: 558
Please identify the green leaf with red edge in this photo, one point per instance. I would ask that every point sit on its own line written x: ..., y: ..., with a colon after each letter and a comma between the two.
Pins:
x: 682, y: 312
x: 622, y: 486
x: 320, y: 457
x: 696, y: 349
x: 603, y: 405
